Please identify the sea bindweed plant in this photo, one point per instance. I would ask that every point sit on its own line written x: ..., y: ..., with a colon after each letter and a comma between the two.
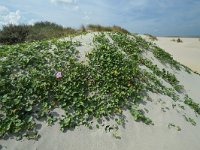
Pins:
x: 38, y: 77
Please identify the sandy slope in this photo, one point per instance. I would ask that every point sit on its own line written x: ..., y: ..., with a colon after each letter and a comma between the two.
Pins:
x: 135, y: 135
x: 187, y: 52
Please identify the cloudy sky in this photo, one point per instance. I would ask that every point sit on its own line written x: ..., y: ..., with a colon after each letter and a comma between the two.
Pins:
x: 158, y: 17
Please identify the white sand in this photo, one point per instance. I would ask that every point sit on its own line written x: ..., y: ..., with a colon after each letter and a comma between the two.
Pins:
x: 135, y: 135
x: 187, y: 52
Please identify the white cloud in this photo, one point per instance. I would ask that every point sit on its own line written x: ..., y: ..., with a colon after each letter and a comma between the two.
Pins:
x: 9, y: 17
x: 3, y: 9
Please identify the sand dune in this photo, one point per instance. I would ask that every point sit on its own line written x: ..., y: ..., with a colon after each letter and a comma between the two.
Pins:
x: 135, y: 135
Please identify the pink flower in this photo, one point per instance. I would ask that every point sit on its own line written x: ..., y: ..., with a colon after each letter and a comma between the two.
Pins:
x: 58, y: 75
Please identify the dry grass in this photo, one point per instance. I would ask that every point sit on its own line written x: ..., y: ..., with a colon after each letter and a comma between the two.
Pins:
x: 100, y: 28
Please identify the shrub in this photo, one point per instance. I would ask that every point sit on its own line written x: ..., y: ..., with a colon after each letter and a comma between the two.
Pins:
x: 100, y: 28
x: 48, y: 30
x: 12, y: 34
x: 179, y: 40
x: 47, y: 24
x: 83, y: 29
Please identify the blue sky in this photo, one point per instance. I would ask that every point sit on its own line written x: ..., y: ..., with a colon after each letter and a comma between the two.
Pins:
x: 158, y: 17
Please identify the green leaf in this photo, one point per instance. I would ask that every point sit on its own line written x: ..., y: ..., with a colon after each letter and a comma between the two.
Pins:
x: 29, y: 108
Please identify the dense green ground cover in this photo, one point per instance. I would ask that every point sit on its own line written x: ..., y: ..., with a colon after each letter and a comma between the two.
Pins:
x: 109, y: 83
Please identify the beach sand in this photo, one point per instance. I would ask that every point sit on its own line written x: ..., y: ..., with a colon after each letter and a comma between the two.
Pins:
x: 186, y: 52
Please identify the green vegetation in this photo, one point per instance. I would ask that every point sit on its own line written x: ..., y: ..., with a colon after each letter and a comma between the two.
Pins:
x: 106, y: 86
x: 12, y: 34
x: 179, y: 40
x: 197, y: 73
x: 139, y: 116
x: 165, y: 57
x: 192, y: 104
x: 48, y: 30
x: 170, y: 125
x: 110, y: 82
x: 99, y: 28
x: 167, y: 76
x: 188, y: 119
x: 116, y: 135
x: 30, y: 90
x: 133, y: 50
